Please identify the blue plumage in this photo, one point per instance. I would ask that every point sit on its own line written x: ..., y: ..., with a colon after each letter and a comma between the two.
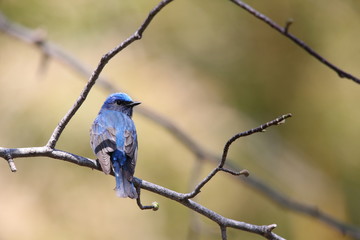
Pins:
x: 113, y: 139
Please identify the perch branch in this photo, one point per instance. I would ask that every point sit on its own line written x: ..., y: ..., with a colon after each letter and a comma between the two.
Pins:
x: 139, y: 183
x: 285, y: 31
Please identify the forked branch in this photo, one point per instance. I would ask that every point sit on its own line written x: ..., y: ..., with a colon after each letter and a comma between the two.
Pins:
x: 220, y: 167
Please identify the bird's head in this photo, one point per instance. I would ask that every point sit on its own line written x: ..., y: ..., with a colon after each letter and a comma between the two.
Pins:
x: 120, y: 102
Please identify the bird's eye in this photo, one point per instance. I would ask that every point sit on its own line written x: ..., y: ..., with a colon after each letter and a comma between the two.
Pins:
x: 119, y: 102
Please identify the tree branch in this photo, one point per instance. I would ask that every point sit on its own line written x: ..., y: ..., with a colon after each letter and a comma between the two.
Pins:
x: 264, y: 230
x: 285, y: 31
x: 220, y: 167
x: 154, y: 206
x: 223, y: 232
x: 9, y: 159
x: 95, y: 75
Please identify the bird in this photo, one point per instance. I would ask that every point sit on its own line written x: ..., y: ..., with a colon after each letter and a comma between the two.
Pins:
x: 113, y: 139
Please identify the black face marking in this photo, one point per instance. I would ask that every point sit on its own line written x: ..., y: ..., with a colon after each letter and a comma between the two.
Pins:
x: 121, y: 102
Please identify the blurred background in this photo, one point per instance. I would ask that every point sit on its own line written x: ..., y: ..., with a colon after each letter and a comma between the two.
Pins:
x: 213, y: 70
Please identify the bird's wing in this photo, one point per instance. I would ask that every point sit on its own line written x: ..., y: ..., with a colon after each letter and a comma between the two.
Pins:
x: 130, y: 148
x: 103, y: 142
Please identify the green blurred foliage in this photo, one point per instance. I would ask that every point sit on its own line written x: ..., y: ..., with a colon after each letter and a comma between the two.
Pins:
x: 212, y: 69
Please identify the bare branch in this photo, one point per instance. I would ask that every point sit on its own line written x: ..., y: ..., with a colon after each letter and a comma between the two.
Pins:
x: 288, y: 23
x: 220, y: 167
x: 154, y: 206
x: 242, y: 172
x: 87, y: 162
x: 261, y: 128
x: 82, y: 161
x: 219, y: 219
x: 12, y: 165
x: 7, y: 156
x: 95, y: 75
x: 284, y: 31
x: 223, y: 232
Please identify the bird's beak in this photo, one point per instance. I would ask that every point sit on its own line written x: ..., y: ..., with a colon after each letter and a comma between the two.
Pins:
x: 133, y: 104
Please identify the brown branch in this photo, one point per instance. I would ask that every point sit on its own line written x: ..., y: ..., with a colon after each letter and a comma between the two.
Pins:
x: 284, y: 31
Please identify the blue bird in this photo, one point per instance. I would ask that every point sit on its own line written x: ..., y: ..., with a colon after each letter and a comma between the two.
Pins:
x: 113, y: 139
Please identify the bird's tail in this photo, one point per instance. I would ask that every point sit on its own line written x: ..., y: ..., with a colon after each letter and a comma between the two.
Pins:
x: 124, y: 188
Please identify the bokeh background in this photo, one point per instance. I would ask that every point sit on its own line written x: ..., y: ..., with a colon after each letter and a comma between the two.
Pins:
x: 212, y: 69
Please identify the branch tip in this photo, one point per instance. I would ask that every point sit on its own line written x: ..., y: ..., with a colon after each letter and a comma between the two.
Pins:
x: 281, y: 122
x: 156, y: 206
x: 40, y: 36
x: 137, y: 35
x: 12, y: 165
x: 271, y: 227
x: 342, y: 75
x: 244, y: 172
x: 10, y: 161
x: 288, y: 23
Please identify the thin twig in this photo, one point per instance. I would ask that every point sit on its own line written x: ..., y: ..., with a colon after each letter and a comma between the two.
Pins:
x: 220, y: 167
x: 284, y: 31
x: 223, y: 232
x: 261, y: 128
x: 9, y: 159
x: 244, y: 172
x: 154, y: 206
x: 288, y: 23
